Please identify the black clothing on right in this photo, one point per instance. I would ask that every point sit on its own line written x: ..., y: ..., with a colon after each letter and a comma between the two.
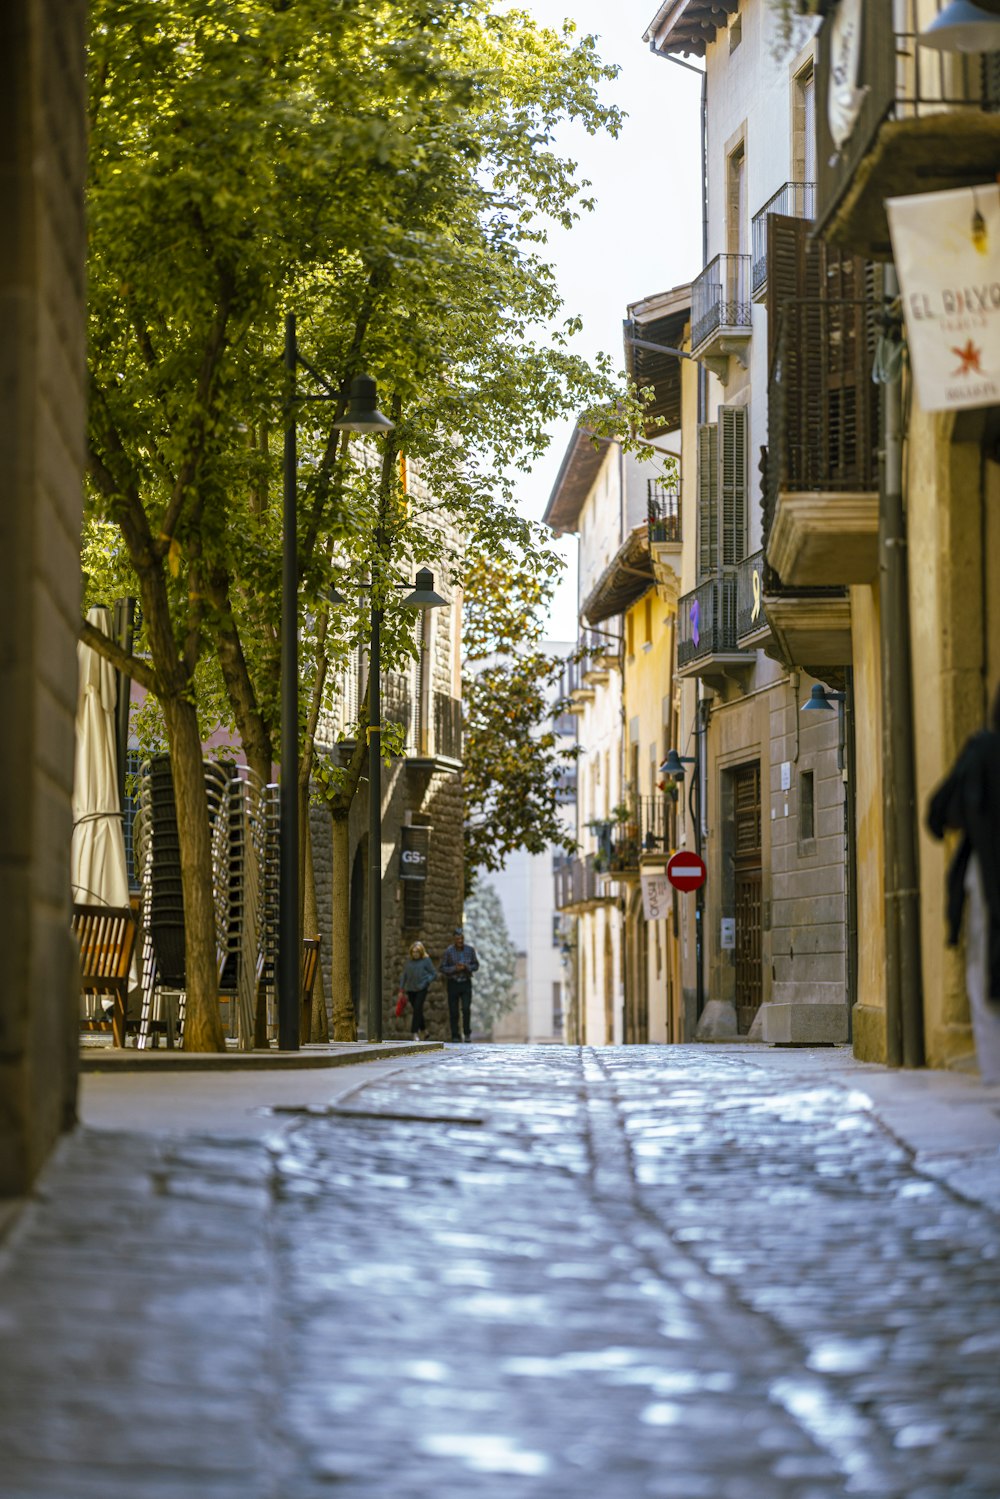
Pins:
x: 969, y: 800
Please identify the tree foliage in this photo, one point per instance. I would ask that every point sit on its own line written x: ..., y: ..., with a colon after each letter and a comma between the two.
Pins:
x: 493, y: 988
x: 514, y: 760
x: 387, y: 171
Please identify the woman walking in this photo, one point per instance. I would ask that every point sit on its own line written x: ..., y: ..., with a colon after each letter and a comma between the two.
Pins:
x: 418, y: 974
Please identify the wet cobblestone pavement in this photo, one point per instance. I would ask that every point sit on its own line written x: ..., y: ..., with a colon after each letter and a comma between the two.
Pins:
x: 509, y: 1272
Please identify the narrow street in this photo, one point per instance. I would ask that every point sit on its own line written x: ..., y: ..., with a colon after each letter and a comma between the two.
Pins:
x: 505, y: 1271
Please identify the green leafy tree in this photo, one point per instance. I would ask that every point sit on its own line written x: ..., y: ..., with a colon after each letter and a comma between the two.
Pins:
x: 493, y: 988
x: 514, y: 761
x: 398, y: 204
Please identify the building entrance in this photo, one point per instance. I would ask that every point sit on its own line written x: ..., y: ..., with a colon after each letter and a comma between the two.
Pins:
x: 747, y: 861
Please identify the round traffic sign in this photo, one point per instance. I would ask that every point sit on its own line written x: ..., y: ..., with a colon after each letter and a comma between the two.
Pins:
x: 686, y: 871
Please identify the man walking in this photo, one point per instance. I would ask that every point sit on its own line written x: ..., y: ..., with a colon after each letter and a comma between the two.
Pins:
x: 457, y: 966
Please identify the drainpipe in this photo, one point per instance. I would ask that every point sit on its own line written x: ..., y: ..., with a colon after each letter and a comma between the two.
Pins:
x: 702, y: 707
x: 904, y: 988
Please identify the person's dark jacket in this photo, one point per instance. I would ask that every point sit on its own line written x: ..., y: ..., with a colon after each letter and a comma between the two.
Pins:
x: 454, y: 956
x: 417, y: 974
x: 969, y: 800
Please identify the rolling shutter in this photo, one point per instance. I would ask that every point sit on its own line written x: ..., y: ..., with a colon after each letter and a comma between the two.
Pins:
x: 733, y: 484
x: 708, y: 500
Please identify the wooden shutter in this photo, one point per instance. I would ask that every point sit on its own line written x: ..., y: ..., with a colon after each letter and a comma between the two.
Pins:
x: 733, y: 483
x: 708, y: 500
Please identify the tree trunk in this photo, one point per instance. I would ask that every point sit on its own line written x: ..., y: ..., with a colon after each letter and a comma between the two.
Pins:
x: 202, y: 1017
x: 344, y: 1028
x: 319, y: 1026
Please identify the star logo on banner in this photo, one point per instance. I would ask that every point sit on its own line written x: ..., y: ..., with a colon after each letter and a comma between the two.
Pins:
x: 970, y: 357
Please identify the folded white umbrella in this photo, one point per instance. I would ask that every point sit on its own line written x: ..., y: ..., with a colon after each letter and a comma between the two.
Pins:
x: 98, y: 870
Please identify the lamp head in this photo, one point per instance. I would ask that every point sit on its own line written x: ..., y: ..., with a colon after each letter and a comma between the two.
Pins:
x: 332, y: 596
x: 363, y: 414
x: 423, y: 595
x: 672, y: 766
x: 818, y: 700
x: 963, y: 27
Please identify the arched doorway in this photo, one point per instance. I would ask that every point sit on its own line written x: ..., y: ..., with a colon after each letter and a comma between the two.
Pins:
x: 358, y: 928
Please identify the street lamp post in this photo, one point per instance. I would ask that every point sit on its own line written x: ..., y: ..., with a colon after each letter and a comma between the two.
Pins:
x: 422, y: 596
x: 362, y: 416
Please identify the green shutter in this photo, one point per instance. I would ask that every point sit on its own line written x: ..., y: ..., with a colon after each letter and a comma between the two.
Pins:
x: 733, y: 427
x: 708, y: 500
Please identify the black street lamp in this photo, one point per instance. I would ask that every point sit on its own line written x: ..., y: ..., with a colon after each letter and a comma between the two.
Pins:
x: 422, y: 596
x: 362, y: 416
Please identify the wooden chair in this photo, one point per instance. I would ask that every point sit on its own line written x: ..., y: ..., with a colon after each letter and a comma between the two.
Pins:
x: 310, y: 967
x: 106, y: 935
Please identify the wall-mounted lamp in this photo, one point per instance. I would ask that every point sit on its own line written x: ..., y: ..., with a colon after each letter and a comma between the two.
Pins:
x: 963, y: 27
x: 674, y: 765
x: 822, y: 700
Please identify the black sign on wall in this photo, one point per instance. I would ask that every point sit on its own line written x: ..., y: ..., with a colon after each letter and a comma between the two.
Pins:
x: 413, y: 853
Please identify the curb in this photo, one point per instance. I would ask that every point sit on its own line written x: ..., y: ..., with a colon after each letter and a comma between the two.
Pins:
x: 162, y: 1059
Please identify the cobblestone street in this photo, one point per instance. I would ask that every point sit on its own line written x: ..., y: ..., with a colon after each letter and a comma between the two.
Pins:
x: 501, y: 1271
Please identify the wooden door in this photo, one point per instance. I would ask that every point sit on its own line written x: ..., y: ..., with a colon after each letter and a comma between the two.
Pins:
x: 747, y: 846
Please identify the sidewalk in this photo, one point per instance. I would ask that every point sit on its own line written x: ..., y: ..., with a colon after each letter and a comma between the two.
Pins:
x: 499, y: 1272
x: 101, y: 1056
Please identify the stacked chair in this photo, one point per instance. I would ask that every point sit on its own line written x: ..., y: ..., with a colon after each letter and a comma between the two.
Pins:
x: 245, y: 861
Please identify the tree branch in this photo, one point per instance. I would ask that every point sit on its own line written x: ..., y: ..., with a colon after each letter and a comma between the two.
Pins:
x: 132, y: 666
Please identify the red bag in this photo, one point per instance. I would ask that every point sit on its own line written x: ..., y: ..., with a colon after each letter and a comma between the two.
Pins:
x: 400, y: 1003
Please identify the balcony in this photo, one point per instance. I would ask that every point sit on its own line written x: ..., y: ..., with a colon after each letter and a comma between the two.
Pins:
x: 653, y: 817
x: 821, y: 490
x: 925, y: 121
x: 663, y: 514
x: 578, y: 886
x: 721, y: 322
x: 796, y: 200
x: 706, y: 630
x: 574, y: 687
x: 752, y: 627
x: 601, y: 657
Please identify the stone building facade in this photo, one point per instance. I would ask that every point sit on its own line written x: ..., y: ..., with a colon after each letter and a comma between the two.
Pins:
x: 422, y: 803
x: 42, y: 409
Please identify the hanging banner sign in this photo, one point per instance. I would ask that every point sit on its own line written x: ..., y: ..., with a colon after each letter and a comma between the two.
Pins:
x: 656, y: 896
x: 947, y: 252
x: 413, y: 854
x: 844, y: 98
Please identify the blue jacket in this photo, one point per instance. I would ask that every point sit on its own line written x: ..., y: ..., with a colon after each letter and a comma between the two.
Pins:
x: 417, y: 974
x: 452, y: 958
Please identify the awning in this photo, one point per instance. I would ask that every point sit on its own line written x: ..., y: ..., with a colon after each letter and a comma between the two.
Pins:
x: 580, y: 466
x: 623, y: 582
x: 659, y: 319
x: 687, y: 25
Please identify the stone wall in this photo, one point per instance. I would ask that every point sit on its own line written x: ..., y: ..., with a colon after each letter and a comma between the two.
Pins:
x: 42, y: 385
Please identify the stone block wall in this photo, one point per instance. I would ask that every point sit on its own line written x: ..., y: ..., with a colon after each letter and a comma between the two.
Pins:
x: 42, y: 427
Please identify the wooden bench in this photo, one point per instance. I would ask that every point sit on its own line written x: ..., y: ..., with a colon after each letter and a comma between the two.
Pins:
x: 106, y: 935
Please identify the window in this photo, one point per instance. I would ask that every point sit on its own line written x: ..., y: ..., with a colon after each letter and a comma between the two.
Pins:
x: 722, y: 491
x: 804, y: 126
x: 648, y: 619
x: 807, y: 806
x: 737, y: 221
x: 413, y: 904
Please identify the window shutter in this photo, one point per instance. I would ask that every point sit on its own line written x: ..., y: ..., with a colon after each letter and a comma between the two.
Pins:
x: 708, y: 500
x: 733, y: 483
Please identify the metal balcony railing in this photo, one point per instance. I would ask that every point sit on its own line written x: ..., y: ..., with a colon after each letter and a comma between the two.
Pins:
x: 706, y: 619
x: 654, y: 824
x: 823, y: 407
x: 663, y: 513
x: 720, y: 299
x: 447, y: 726
x: 750, y: 616
x: 577, y: 884
x: 898, y: 79
x: 795, y: 200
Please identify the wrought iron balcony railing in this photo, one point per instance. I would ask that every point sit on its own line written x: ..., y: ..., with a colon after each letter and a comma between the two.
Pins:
x: 795, y: 200
x: 447, y: 726
x: 898, y: 79
x: 706, y: 619
x: 750, y: 616
x: 663, y: 512
x: 577, y: 884
x: 720, y: 299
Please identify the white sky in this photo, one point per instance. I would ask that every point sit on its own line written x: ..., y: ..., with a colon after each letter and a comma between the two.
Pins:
x: 644, y: 236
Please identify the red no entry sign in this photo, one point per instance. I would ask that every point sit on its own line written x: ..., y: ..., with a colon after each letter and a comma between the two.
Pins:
x: 686, y: 871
